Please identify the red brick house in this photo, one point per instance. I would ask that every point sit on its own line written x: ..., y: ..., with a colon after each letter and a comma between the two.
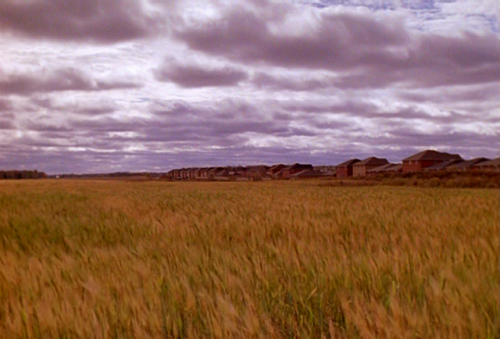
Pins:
x: 466, y: 165
x: 257, y: 172
x: 428, y: 158
x: 344, y: 170
x: 490, y: 165
x: 197, y: 173
x: 442, y: 166
x: 212, y: 171
x: 379, y: 169
x: 175, y: 174
x: 360, y: 168
x: 306, y: 174
x: 275, y: 169
x: 240, y: 172
x: 171, y: 174
x: 204, y: 173
x: 288, y: 171
x: 389, y: 168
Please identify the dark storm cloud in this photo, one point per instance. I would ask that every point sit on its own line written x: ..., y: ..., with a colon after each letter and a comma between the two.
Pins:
x: 191, y: 76
x: 56, y: 81
x: 103, y: 21
x: 363, y: 51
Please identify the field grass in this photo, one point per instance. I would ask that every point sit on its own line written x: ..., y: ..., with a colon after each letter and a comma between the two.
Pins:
x: 117, y: 259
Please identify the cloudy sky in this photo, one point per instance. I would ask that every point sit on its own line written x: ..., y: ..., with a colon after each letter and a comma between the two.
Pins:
x: 133, y: 85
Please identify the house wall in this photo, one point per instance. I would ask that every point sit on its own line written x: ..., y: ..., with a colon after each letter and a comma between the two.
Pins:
x: 358, y: 171
x: 344, y: 171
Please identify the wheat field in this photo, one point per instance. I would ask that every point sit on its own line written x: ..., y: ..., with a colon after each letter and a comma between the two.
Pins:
x: 118, y: 259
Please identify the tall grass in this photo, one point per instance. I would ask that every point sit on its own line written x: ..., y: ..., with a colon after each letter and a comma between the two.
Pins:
x: 110, y: 259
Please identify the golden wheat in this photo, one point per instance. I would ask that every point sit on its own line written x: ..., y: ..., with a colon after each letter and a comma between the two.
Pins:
x: 113, y: 259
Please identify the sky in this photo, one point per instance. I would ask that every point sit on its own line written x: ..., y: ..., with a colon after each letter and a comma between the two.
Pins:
x: 94, y: 86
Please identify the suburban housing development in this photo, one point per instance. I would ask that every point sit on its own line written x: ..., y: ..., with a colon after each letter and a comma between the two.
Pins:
x: 428, y: 160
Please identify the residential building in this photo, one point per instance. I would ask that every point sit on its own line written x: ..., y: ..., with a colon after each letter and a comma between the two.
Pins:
x: 360, y: 168
x: 424, y: 159
x: 344, y: 170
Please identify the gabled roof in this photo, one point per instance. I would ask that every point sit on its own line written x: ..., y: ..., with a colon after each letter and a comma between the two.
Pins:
x: 297, y: 165
x: 307, y: 173
x: 443, y: 164
x: 276, y: 168
x: 490, y: 163
x: 395, y: 168
x: 258, y: 168
x: 372, y: 161
x: 433, y: 155
x: 349, y: 162
x: 469, y: 163
x: 380, y: 168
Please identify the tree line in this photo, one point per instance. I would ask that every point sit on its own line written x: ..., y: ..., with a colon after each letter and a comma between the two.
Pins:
x: 26, y: 174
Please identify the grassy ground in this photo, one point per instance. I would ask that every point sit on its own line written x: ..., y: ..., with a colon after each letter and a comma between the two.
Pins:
x: 112, y: 259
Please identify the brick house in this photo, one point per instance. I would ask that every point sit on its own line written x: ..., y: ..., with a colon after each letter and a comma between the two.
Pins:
x: 306, y: 174
x: 288, y: 171
x: 490, y: 165
x: 466, y: 165
x: 379, y: 169
x: 344, y: 170
x: 241, y: 171
x: 175, y: 174
x: 275, y: 169
x: 212, y: 171
x: 197, y: 173
x: 360, y: 168
x: 257, y: 172
x: 170, y: 174
x: 442, y: 165
x: 419, y: 161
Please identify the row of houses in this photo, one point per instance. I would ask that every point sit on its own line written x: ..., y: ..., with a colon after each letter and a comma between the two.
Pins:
x: 259, y: 172
x: 428, y: 160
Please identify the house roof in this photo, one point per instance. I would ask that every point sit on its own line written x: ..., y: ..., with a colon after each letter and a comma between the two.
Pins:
x: 380, y: 168
x: 433, y: 155
x: 276, y: 168
x: 490, y: 163
x: 372, y: 161
x: 469, y: 163
x: 394, y: 168
x: 307, y: 173
x: 443, y: 164
x: 258, y: 168
x: 297, y: 165
x: 349, y: 162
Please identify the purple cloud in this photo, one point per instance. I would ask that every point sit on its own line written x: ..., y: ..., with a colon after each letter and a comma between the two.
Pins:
x: 103, y: 21
x: 56, y: 81
x: 361, y: 50
x: 190, y: 76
